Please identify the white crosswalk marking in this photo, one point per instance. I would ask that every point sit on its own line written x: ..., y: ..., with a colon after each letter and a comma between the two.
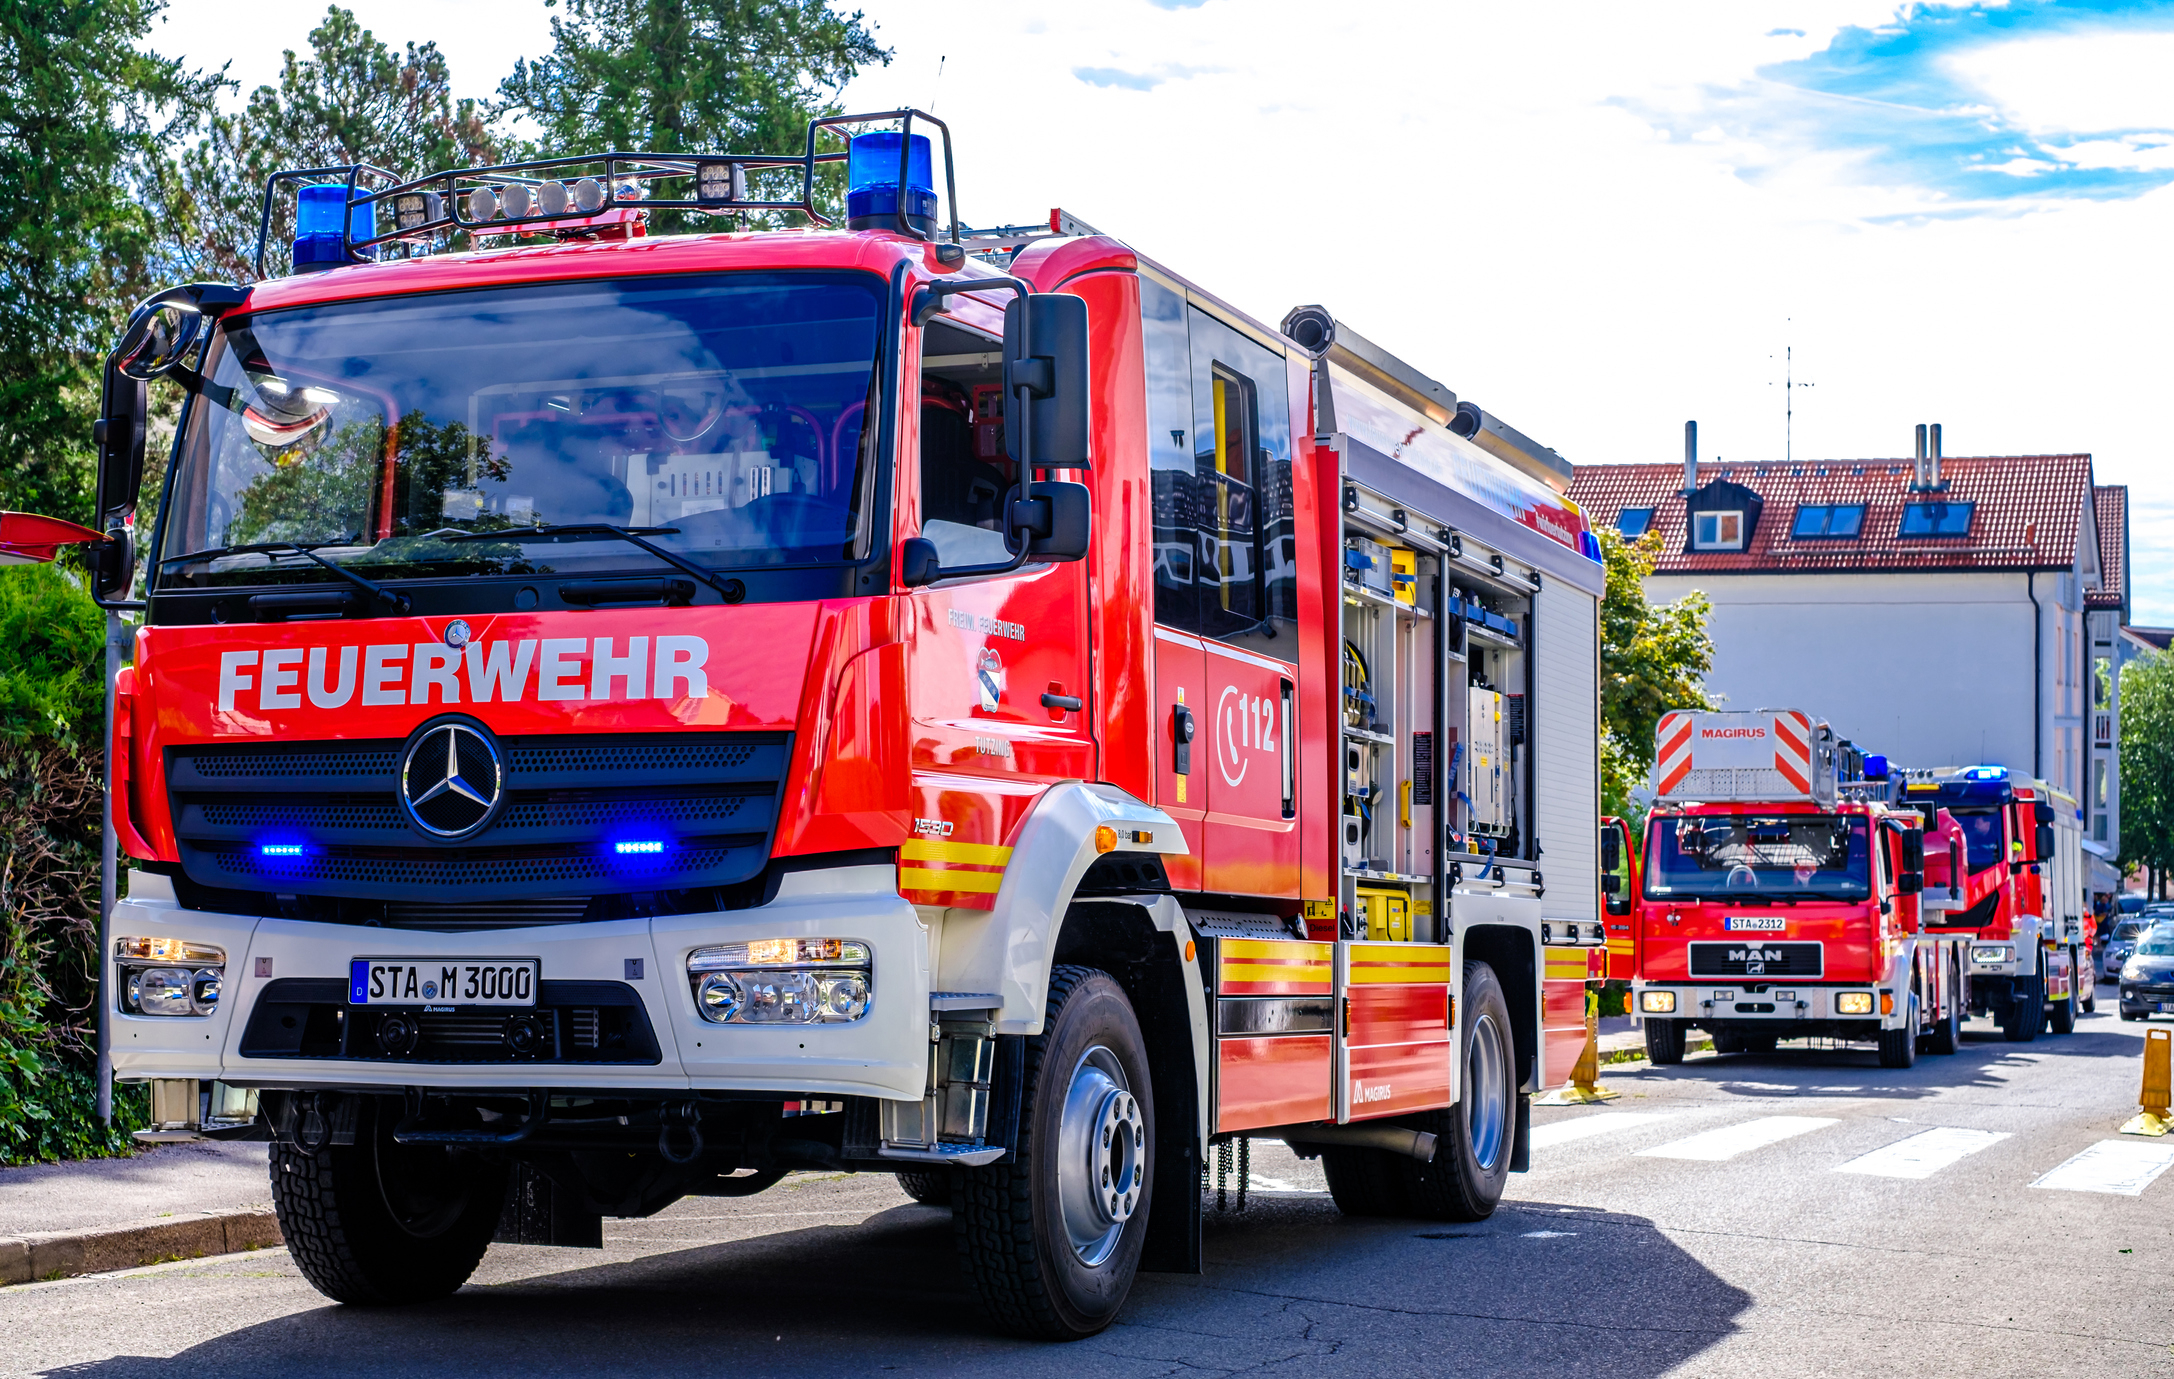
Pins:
x: 1924, y: 1154
x: 1732, y: 1140
x: 2126, y: 1167
x: 1586, y: 1126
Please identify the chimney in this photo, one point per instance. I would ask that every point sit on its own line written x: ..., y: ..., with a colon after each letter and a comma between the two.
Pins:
x: 1935, y: 457
x: 1926, y: 477
x: 1690, y: 458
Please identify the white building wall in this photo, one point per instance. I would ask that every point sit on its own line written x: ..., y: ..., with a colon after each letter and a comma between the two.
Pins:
x: 1928, y: 669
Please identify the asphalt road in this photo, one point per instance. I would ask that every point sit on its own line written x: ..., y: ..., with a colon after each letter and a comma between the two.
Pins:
x: 1731, y: 1216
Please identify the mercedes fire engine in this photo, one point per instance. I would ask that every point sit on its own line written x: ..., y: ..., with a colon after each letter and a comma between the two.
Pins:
x: 2025, y: 910
x: 1778, y: 902
x: 622, y: 715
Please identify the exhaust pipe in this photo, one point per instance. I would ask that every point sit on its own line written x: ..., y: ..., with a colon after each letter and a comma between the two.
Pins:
x: 1412, y: 1144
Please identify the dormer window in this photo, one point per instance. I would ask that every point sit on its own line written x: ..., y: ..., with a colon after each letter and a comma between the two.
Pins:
x: 1717, y: 531
x: 1632, y: 523
x: 1937, y: 519
x: 1837, y: 522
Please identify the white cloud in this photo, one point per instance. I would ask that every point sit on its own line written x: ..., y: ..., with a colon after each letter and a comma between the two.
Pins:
x: 2084, y: 83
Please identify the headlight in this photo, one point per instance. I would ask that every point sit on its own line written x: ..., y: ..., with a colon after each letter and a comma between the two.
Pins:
x: 784, y: 981
x: 1657, y: 1002
x: 1993, y: 952
x: 2130, y: 972
x: 1853, y: 1003
x: 167, y: 976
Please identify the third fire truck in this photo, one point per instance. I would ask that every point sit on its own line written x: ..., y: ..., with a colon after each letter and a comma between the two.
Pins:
x: 1779, y: 902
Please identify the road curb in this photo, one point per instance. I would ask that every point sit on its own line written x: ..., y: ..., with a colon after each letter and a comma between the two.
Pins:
x: 66, y: 1254
x: 1636, y: 1053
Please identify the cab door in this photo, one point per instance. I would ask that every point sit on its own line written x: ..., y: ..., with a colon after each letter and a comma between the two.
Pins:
x: 1619, y: 897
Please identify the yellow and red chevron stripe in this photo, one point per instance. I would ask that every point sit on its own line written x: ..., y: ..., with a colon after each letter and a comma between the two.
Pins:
x: 1397, y: 963
x: 933, y: 871
x: 1274, y: 967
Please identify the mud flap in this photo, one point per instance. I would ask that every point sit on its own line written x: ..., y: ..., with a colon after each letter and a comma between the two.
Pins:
x: 1521, y: 1156
x: 540, y: 1212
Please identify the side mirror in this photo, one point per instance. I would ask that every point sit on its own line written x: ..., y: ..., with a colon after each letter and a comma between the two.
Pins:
x: 157, y: 339
x: 1611, y: 849
x: 1045, y: 356
x: 1913, y: 851
x: 119, y: 433
x: 1609, y: 885
x: 1910, y: 882
x: 2044, y: 842
x: 918, y: 564
x: 1056, y: 518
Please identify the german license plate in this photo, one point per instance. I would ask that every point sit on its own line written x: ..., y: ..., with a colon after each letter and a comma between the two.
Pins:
x: 443, y: 981
x: 2166, y: 1006
x: 1762, y: 924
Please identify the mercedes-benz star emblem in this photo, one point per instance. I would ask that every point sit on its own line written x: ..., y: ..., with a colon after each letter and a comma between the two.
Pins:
x: 451, y: 778
x: 457, y: 633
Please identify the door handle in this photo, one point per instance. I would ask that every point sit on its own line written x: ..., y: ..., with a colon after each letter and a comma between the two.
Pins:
x: 1181, y: 736
x: 1063, y: 701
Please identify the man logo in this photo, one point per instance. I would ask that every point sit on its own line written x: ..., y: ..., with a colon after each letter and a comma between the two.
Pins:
x: 452, y: 779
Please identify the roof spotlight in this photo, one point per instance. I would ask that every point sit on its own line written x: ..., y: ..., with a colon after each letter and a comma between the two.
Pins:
x: 418, y: 209
x: 516, y: 199
x: 589, y: 196
x: 720, y: 182
x: 631, y: 190
x: 482, y: 204
x: 553, y: 198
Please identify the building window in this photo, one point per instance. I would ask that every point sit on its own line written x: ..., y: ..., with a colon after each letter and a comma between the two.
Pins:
x: 1937, y: 519
x: 1634, y: 522
x: 1836, y: 522
x: 1717, y: 531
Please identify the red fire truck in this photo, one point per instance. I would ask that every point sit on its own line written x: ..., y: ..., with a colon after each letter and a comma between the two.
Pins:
x: 2024, y: 912
x: 623, y: 715
x: 1779, y: 903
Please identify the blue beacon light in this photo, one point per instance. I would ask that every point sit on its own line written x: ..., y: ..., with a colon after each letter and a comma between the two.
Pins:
x: 279, y: 850
x: 318, y: 242
x: 638, y: 847
x: 872, y: 198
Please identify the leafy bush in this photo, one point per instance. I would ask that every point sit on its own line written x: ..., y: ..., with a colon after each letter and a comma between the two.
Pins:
x: 52, y: 641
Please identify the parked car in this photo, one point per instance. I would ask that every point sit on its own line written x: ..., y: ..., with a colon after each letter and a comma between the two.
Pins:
x: 2147, y: 978
x: 2122, y: 941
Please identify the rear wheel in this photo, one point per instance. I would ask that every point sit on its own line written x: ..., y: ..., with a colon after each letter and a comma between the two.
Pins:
x: 2087, y: 985
x: 1758, y: 1045
x: 1051, y: 1238
x: 1664, y: 1041
x: 1947, y: 1032
x: 1364, y: 1182
x: 376, y: 1223
x: 1476, y: 1138
x: 1728, y: 1041
x: 1898, y: 1047
x: 2062, y: 1014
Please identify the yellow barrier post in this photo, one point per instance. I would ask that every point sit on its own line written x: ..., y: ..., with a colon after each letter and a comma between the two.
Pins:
x: 2158, y: 1090
x: 1584, y: 1087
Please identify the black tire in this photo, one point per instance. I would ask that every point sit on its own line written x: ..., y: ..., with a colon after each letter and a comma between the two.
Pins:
x: 1898, y: 1047
x: 1728, y: 1041
x: 1947, y: 1033
x: 375, y: 1223
x: 2030, y: 1009
x: 1475, y: 1140
x: 2087, y: 981
x: 1010, y: 1223
x: 1365, y: 1182
x: 1664, y: 1041
x: 930, y: 1187
x: 1759, y: 1045
x: 2061, y: 1015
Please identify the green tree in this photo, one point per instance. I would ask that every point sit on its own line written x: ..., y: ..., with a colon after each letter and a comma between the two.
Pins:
x: 85, y: 114
x: 1653, y: 658
x: 352, y: 100
x: 689, y: 76
x: 2147, y: 767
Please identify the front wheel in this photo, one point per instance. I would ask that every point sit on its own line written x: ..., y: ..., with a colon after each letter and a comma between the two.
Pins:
x: 1898, y: 1047
x: 376, y: 1223
x: 1947, y: 1035
x: 1664, y: 1041
x: 1050, y: 1238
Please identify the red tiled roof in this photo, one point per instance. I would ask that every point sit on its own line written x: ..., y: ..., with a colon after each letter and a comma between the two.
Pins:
x: 2028, y: 513
x: 2112, y: 502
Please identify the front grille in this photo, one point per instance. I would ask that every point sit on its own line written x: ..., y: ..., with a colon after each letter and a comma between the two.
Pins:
x: 711, y: 798
x: 457, y: 918
x: 572, y: 1022
x: 1751, y: 958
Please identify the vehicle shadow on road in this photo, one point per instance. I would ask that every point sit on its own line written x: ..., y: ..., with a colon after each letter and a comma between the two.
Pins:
x: 1537, y: 1288
x: 1812, y: 1069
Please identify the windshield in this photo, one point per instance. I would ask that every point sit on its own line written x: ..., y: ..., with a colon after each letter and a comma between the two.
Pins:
x: 727, y: 410
x: 2156, y: 946
x: 1981, y: 836
x: 1777, y: 856
x: 2130, y: 928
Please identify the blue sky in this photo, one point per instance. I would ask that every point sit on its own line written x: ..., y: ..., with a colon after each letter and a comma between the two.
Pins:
x: 1596, y: 218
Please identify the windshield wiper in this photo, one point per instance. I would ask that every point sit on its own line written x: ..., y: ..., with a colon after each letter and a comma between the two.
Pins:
x: 732, y: 589
x: 398, y: 603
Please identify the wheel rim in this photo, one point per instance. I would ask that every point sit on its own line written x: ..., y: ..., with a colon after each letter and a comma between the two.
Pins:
x: 1101, y: 1156
x: 1484, y: 1099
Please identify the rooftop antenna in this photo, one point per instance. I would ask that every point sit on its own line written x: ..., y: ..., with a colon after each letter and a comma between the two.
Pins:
x: 935, y: 84
x: 1789, y: 387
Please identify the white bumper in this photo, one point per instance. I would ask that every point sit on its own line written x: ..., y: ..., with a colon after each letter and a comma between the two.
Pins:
x: 884, y: 1054
x: 1781, y: 1004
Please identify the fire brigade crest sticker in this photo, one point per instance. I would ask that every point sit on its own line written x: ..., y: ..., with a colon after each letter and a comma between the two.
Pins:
x: 989, y: 679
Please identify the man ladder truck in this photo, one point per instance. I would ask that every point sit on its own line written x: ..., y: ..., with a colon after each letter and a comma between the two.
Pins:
x: 1781, y: 896
x: 622, y: 715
